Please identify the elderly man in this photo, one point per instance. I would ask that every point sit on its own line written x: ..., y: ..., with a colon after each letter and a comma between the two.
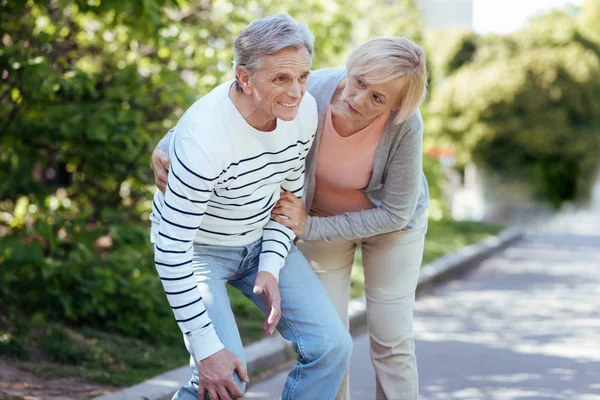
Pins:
x: 232, y: 153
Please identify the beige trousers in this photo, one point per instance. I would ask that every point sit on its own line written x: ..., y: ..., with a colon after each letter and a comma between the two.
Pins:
x: 391, y: 267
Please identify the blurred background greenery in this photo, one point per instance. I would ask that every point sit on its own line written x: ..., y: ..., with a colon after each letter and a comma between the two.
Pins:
x: 87, y: 88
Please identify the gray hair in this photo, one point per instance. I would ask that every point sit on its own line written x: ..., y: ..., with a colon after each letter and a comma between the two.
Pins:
x: 266, y: 36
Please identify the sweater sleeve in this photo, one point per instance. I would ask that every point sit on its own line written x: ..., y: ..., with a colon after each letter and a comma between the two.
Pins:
x: 400, y: 194
x: 191, y: 181
x: 277, y: 238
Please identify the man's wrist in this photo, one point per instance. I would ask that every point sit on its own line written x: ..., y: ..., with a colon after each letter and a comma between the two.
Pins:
x: 205, y: 342
x: 272, y: 263
x: 273, y: 270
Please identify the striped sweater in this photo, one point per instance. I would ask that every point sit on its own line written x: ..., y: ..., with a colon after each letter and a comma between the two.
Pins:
x: 225, y: 178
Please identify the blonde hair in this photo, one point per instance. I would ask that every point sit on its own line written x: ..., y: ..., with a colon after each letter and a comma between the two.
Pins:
x: 383, y: 59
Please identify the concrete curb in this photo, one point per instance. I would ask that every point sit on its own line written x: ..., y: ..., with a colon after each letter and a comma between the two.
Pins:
x: 272, y: 351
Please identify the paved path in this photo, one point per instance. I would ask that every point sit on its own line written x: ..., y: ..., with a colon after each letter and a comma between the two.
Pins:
x: 524, y: 325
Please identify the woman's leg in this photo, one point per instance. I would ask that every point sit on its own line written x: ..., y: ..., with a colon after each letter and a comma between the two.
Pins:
x: 391, y: 263
x: 332, y: 262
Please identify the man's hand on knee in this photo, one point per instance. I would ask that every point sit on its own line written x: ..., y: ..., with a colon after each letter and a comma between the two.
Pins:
x: 160, y: 166
x: 216, y: 376
x: 266, y: 284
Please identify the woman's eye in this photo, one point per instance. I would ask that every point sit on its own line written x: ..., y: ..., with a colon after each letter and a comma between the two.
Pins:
x: 377, y: 99
x: 360, y: 83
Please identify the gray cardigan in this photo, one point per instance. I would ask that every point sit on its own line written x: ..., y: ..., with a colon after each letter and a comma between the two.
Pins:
x: 398, y: 187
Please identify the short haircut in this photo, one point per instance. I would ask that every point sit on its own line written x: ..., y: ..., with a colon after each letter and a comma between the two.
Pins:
x: 267, y: 36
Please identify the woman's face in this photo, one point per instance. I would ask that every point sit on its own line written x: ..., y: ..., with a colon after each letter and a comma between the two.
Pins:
x: 362, y: 102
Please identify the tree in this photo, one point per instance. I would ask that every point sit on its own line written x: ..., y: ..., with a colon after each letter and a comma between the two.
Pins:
x: 589, y: 20
x: 527, y: 105
x: 87, y: 87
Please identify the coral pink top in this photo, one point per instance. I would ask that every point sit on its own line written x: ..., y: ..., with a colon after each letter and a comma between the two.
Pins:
x: 344, y: 167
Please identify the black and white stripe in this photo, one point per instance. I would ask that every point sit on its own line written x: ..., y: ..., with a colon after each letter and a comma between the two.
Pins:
x: 223, y: 183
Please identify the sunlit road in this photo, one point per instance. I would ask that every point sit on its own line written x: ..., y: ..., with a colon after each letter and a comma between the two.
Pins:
x: 524, y: 325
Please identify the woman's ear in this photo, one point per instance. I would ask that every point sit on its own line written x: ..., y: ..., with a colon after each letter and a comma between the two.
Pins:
x: 398, y: 105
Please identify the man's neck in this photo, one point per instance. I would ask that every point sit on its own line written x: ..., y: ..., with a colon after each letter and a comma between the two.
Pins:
x: 254, y: 116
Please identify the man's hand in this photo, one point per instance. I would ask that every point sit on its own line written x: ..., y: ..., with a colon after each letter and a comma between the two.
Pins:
x: 216, y: 376
x: 267, y: 285
x: 293, y: 208
x: 160, y: 166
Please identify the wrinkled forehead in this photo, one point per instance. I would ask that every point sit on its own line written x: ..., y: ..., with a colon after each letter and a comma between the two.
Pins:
x: 293, y: 59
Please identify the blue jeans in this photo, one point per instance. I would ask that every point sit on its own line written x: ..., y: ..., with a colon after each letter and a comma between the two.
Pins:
x: 308, y: 318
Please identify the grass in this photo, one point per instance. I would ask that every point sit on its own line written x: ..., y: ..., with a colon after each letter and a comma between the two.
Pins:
x: 442, y: 237
x: 447, y: 236
x: 54, y: 350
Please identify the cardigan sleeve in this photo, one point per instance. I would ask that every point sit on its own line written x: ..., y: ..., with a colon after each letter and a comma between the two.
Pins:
x: 400, y: 194
x: 165, y: 141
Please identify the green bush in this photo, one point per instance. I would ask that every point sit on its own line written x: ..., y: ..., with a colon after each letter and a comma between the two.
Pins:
x: 73, y: 280
x: 86, y: 90
x: 526, y: 106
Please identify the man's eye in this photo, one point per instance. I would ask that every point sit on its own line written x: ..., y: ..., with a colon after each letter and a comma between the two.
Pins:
x: 281, y: 79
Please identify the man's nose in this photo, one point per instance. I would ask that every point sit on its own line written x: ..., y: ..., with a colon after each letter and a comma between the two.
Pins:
x: 295, y: 90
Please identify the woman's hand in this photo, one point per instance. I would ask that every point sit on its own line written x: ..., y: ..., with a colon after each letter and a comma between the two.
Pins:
x: 160, y: 166
x: 291, y: 212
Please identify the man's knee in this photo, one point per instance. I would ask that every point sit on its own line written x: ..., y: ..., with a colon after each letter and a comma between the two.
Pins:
x: 345, y: 344
x: 337, y: 347
x: 240, y: 384
x: 190, y: 390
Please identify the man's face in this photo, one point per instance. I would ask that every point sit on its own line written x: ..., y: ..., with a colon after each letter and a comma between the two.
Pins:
x: 280, y: 83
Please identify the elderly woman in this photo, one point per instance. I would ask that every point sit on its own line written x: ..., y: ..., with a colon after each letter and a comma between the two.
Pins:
x: 365, y: 186
x: 232, y: 152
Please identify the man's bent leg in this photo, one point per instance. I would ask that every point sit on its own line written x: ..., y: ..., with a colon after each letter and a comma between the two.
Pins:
x: 310, y: 322
x: 213, y: 265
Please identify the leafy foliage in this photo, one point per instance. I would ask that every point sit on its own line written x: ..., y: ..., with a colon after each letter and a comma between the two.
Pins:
x: 589, y: 20
x: 527, y: 105
x: 86, y: 89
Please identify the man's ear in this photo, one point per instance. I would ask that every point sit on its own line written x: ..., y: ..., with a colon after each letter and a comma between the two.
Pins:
x: 243, y: 77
